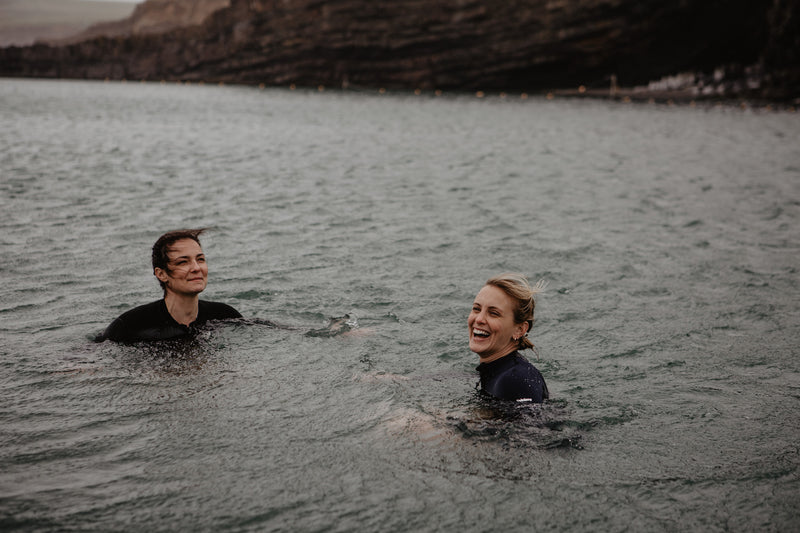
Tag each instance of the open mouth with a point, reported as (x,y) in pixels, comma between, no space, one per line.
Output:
(480,333)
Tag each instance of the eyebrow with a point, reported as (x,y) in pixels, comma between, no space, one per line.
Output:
(491,307)
(187,256)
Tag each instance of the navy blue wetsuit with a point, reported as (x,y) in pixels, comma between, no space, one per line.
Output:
(151,322)
(512,377)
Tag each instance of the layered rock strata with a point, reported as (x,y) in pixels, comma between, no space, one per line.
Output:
(514,45)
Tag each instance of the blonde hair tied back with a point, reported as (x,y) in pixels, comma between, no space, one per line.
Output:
(520,290)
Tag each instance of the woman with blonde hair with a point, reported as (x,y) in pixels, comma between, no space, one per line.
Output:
(499,323)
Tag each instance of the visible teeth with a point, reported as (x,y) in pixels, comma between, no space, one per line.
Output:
(480,332)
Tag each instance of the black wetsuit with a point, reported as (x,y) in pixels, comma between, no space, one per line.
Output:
(512,377)
(151,322)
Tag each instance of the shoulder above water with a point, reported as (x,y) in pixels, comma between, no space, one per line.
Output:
(513,377)
(152,321)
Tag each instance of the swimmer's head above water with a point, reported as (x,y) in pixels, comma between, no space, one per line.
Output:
(179,263)
(180,266)
(502,316)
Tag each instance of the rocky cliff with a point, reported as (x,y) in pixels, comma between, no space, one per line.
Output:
(152,16)
(513,45)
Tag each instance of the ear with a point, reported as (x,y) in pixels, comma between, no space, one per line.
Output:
(522,329)
(161,274)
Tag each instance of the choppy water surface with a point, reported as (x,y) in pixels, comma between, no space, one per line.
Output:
(668,335)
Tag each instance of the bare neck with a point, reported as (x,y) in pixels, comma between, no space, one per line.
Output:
(182,307)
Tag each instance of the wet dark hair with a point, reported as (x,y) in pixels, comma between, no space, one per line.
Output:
(164,243)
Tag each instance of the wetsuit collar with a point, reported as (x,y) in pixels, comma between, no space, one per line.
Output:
(495,358)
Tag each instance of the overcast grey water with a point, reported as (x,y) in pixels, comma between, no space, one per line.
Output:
(668,334)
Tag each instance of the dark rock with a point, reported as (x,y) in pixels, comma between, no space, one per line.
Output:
(514,45)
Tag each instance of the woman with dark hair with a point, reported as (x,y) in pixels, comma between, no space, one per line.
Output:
(501,317)
(180,266)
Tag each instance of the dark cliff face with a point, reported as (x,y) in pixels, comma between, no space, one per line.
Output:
(448,44)
(780,56)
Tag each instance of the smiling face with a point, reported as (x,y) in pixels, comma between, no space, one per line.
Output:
(492,330)
(187,272)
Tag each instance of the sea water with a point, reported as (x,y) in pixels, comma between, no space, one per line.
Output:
(668,333)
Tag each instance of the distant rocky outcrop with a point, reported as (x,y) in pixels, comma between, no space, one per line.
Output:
(150,17)
(513,45)
(25,22)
